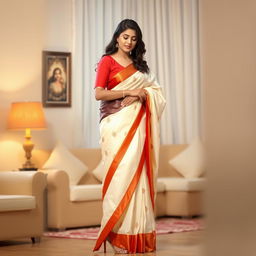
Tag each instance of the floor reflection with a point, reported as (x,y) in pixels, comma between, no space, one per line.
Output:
(123,254)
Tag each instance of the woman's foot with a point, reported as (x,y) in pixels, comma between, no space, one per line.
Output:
(120,250)
(117,249)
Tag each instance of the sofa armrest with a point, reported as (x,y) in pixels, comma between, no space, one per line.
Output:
(22,183)
(58,196)
(58,188)
(57,180)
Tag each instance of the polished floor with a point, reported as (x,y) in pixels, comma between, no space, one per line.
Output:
(176,244)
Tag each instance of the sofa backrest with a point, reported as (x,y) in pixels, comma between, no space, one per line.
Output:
(91,157)
(167,152)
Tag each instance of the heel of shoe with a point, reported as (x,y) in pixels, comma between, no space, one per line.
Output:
(105,247)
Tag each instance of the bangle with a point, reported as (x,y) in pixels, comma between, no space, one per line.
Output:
(123,93)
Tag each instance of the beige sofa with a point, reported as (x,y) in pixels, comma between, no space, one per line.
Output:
(80,205)
(21,204)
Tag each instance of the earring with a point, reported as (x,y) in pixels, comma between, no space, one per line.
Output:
(116,45)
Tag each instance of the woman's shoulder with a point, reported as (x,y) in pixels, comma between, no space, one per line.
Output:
(106,59)
(106,62)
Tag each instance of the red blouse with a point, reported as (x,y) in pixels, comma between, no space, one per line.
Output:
(107,68)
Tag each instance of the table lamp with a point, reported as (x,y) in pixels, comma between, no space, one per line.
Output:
(27,116)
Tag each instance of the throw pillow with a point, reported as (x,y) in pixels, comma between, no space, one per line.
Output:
(99,172)
(190,163)
(62,159)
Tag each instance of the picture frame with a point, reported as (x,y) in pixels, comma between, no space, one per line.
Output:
(56,84)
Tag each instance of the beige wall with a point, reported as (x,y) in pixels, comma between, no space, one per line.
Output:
(27,27)
(228,61)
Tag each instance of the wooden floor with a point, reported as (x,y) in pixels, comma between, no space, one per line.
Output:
(176,244)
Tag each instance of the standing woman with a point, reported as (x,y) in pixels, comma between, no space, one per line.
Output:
(131,106)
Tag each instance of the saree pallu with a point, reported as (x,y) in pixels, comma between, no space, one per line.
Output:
(130,148)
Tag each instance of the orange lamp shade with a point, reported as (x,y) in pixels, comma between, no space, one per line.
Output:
(25,115)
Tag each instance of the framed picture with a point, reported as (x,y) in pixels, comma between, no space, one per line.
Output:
(56,79)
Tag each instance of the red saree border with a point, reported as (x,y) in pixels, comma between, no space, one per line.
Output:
(122,205)
(122,75)
(149,146)
(139,243)
(121,152)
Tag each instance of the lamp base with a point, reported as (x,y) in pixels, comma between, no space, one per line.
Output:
(28,169)
(28,147)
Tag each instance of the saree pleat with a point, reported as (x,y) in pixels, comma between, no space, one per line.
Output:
(130,144)
(121,151)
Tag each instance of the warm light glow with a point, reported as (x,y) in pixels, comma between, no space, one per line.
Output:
(21,81)
(26,115)
(11,155)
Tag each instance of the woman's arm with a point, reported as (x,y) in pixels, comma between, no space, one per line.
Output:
(102,94)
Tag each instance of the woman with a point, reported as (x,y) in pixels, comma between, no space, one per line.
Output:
(131,106)
(56,83)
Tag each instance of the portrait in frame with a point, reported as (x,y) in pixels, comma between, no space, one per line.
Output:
(56,79)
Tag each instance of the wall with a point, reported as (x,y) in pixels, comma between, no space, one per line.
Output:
(228,61)
(59,37)
(27,28)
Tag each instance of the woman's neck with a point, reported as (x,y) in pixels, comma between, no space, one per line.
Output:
(123,55)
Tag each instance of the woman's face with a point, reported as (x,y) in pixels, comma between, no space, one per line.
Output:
(57,74)
(127,40)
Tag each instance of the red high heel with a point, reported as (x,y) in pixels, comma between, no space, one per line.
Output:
(105,247)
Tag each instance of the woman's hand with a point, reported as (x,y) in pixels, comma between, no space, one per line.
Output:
(140,93)
(128,100)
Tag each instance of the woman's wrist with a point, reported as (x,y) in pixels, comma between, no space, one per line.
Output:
(125,93)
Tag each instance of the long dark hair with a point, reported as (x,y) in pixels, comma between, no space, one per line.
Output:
(52,78)
(138,52)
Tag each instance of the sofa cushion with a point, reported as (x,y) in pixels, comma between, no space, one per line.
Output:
(190,163)
(98,171)
(88,192)
(183,184)
(17,202)
(62,159)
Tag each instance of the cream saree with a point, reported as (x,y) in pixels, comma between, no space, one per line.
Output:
(130,148)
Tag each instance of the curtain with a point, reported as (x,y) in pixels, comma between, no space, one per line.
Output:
(170,33)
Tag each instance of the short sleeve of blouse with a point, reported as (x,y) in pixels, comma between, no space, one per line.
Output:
(103,71)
